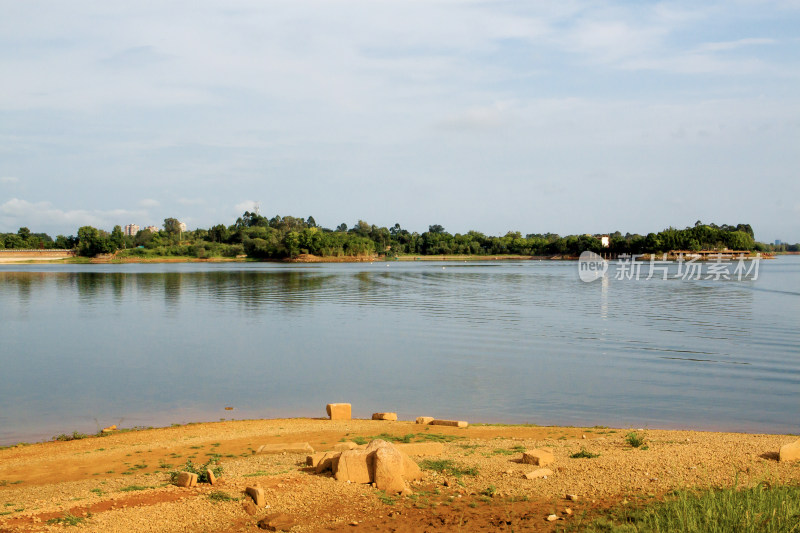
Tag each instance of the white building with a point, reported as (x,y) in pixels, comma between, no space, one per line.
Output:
(131,230)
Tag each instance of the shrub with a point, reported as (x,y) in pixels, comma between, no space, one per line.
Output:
(202,476)
(634,439)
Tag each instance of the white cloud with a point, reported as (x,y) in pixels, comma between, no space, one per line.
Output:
(44,217)
(247,205)
(9,179)
(191,201)
(149,202)
(732,45)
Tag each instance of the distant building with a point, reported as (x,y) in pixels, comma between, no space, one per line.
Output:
(131,230)
(778,242)
(152,229)
(182,226)
(604,241)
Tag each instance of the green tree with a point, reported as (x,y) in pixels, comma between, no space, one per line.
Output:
(92,241)
(172,226)
(117,238)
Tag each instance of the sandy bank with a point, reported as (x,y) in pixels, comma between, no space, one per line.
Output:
(121,479)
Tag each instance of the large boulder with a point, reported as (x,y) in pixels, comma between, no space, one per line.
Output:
(424,420)
(355,466)
(790,452)
(384,416)
(185,479)
(339,411)
(381,463)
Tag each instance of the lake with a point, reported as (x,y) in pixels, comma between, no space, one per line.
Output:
(87,346)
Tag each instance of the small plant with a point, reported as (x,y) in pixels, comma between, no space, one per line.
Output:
(133,488)
(584,454)
(507,451)
(438,437)
(360,440)
(489,491)
(68,520)
(446,466)
(75,436)
(634,439)
(386,499)
(220,496)
(201,470)
(99,492)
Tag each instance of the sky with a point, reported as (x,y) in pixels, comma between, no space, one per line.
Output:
(568,117)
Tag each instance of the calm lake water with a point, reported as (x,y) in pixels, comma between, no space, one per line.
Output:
(86,346)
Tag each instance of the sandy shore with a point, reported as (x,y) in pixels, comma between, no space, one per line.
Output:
(120,482)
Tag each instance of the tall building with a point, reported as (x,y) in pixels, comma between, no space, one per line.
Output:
(131,230)
(182,226)
(152,229)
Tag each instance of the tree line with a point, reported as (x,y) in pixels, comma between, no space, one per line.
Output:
(258,237)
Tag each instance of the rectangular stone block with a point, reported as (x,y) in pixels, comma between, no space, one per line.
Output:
(257,494)
(453,423)
(291,447)
(339,411)
(384,416)
(186,479)
(425,420)
(537,457)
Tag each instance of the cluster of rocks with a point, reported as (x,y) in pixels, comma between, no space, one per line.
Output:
(189,479)
(380,463)
(344,411)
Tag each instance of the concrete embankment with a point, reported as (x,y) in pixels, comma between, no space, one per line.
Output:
(15,256)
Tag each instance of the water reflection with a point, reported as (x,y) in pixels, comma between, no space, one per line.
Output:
(529,340)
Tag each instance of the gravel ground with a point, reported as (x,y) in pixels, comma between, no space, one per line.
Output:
(122,483)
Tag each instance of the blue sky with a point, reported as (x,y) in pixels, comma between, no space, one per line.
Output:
(566,117)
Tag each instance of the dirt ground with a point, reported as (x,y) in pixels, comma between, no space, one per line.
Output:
(121,482)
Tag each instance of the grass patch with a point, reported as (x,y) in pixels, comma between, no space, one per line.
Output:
(634,439)
(446,466)
(67,437)
(67,520)
(220,496)
(584,454)
(99,492)
(437,437)
(509,451)
(489,491)
(201,470)
(134,488)
(386,498)
(759,509)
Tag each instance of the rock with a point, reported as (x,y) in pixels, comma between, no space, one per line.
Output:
(211,477)
(186,479)
(329,462)
(583,436)
(292,447)
(537,457)
(344,446)
(425,420)
(421,448)
(257,493)
(552,518)
(389,470)
(790,452)
(384,416)
(355,466)
(568,511)
(572,497)
(542,472)
(339,411)
(454,423)
(277,522)
(314,459)
(110,429)
(249,507)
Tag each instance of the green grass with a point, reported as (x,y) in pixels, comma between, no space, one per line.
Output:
(386,499)
(584,454)
(66,437)
(410,437)
(489,491)
(446,466)
(220,496)
(67,520)
(99,492)
(133,488)
(634,439)
(437,437)
(202,476)
(760,509)
(509,451)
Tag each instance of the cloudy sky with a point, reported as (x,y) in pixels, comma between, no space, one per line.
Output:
(573,116)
